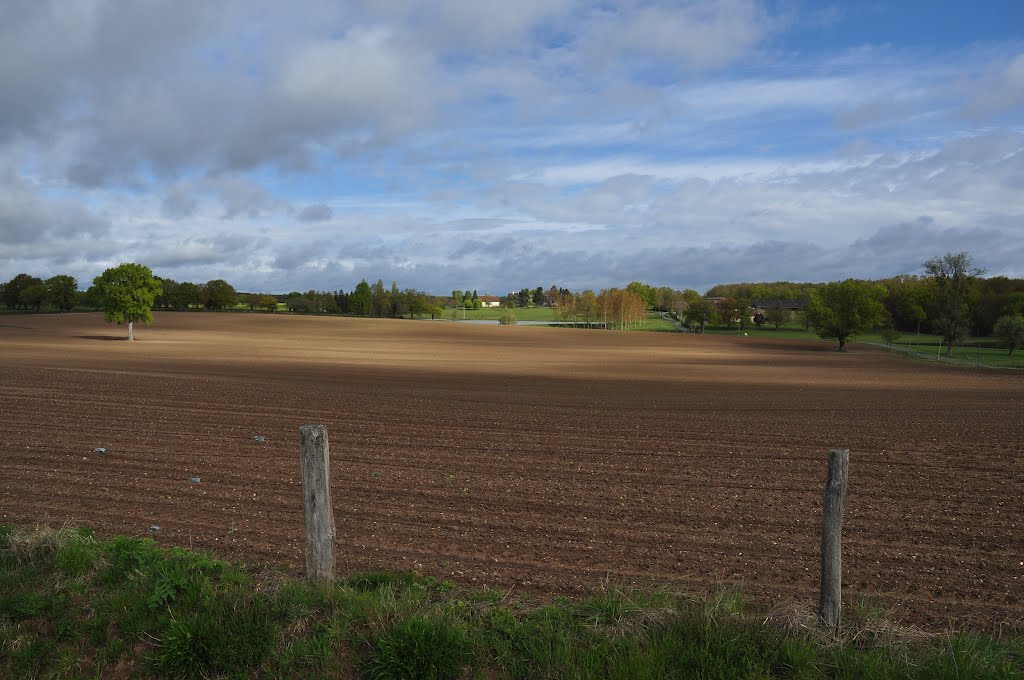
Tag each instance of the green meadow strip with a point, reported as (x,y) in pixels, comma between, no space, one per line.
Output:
(75,606)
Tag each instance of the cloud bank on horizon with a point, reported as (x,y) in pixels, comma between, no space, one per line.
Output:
(491,145)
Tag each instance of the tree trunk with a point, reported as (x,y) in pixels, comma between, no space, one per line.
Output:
(842,344)
(949,349)
(130,336)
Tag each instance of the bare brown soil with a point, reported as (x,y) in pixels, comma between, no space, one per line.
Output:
(544,460)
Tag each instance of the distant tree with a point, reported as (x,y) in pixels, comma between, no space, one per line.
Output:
(701,312)
(127,293)
(267,302)
(538,296)
(396,300)
(1014,303)
(551,296)
(219,294)
(1009,329)
(907,299)
(565,307)
(620,308)
(90,298)
(185,295)
(168,295)
(840,311)
(643,291)
(586,306)
(734,311)
(12,289)
(379,298)
(776,315)
(33,296)
(341,298)
(62,292)
(328,304)
(361,299)
(251,299)
(508,318)
(954,279)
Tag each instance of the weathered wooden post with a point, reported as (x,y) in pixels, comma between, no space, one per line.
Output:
(315,467)
(830,603)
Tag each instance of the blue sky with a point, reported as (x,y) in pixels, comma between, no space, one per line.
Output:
(490,145)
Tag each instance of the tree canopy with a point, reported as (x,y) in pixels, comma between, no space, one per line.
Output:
(839,311)
(127,293)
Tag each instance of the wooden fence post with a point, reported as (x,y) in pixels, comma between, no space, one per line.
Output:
(831,601)
(315,467)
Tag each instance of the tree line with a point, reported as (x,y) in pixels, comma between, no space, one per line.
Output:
(952,298)
(366,300)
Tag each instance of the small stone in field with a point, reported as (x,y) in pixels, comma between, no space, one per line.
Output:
(99,449)
(195,480)
(153,529)
(259,439)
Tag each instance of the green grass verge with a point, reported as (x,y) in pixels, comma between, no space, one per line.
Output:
(75,606)
(972,352)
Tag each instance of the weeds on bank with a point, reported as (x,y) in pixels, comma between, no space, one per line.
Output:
(74,606)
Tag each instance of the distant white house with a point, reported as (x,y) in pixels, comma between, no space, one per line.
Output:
(490,301)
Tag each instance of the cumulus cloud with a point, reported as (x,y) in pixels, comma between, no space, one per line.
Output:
(695,35)
(489,144)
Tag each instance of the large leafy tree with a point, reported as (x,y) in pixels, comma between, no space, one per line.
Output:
(128,293)
(839,311)
(62,292)
(185,295)
(218,294)
(954,279)
(33,295)
(700,312)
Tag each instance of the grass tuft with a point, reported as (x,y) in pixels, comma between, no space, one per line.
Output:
(420,649)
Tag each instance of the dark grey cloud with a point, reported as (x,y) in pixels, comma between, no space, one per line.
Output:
(88,175)
(179,203)
(27,216)
(317,212)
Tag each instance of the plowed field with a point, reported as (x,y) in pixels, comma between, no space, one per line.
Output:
(545,460)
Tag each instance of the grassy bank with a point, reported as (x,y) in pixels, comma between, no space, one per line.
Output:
(75,606)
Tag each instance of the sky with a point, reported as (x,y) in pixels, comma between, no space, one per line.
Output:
(493,145)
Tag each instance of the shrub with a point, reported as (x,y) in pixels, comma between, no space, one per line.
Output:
(508,318)
(890,335)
